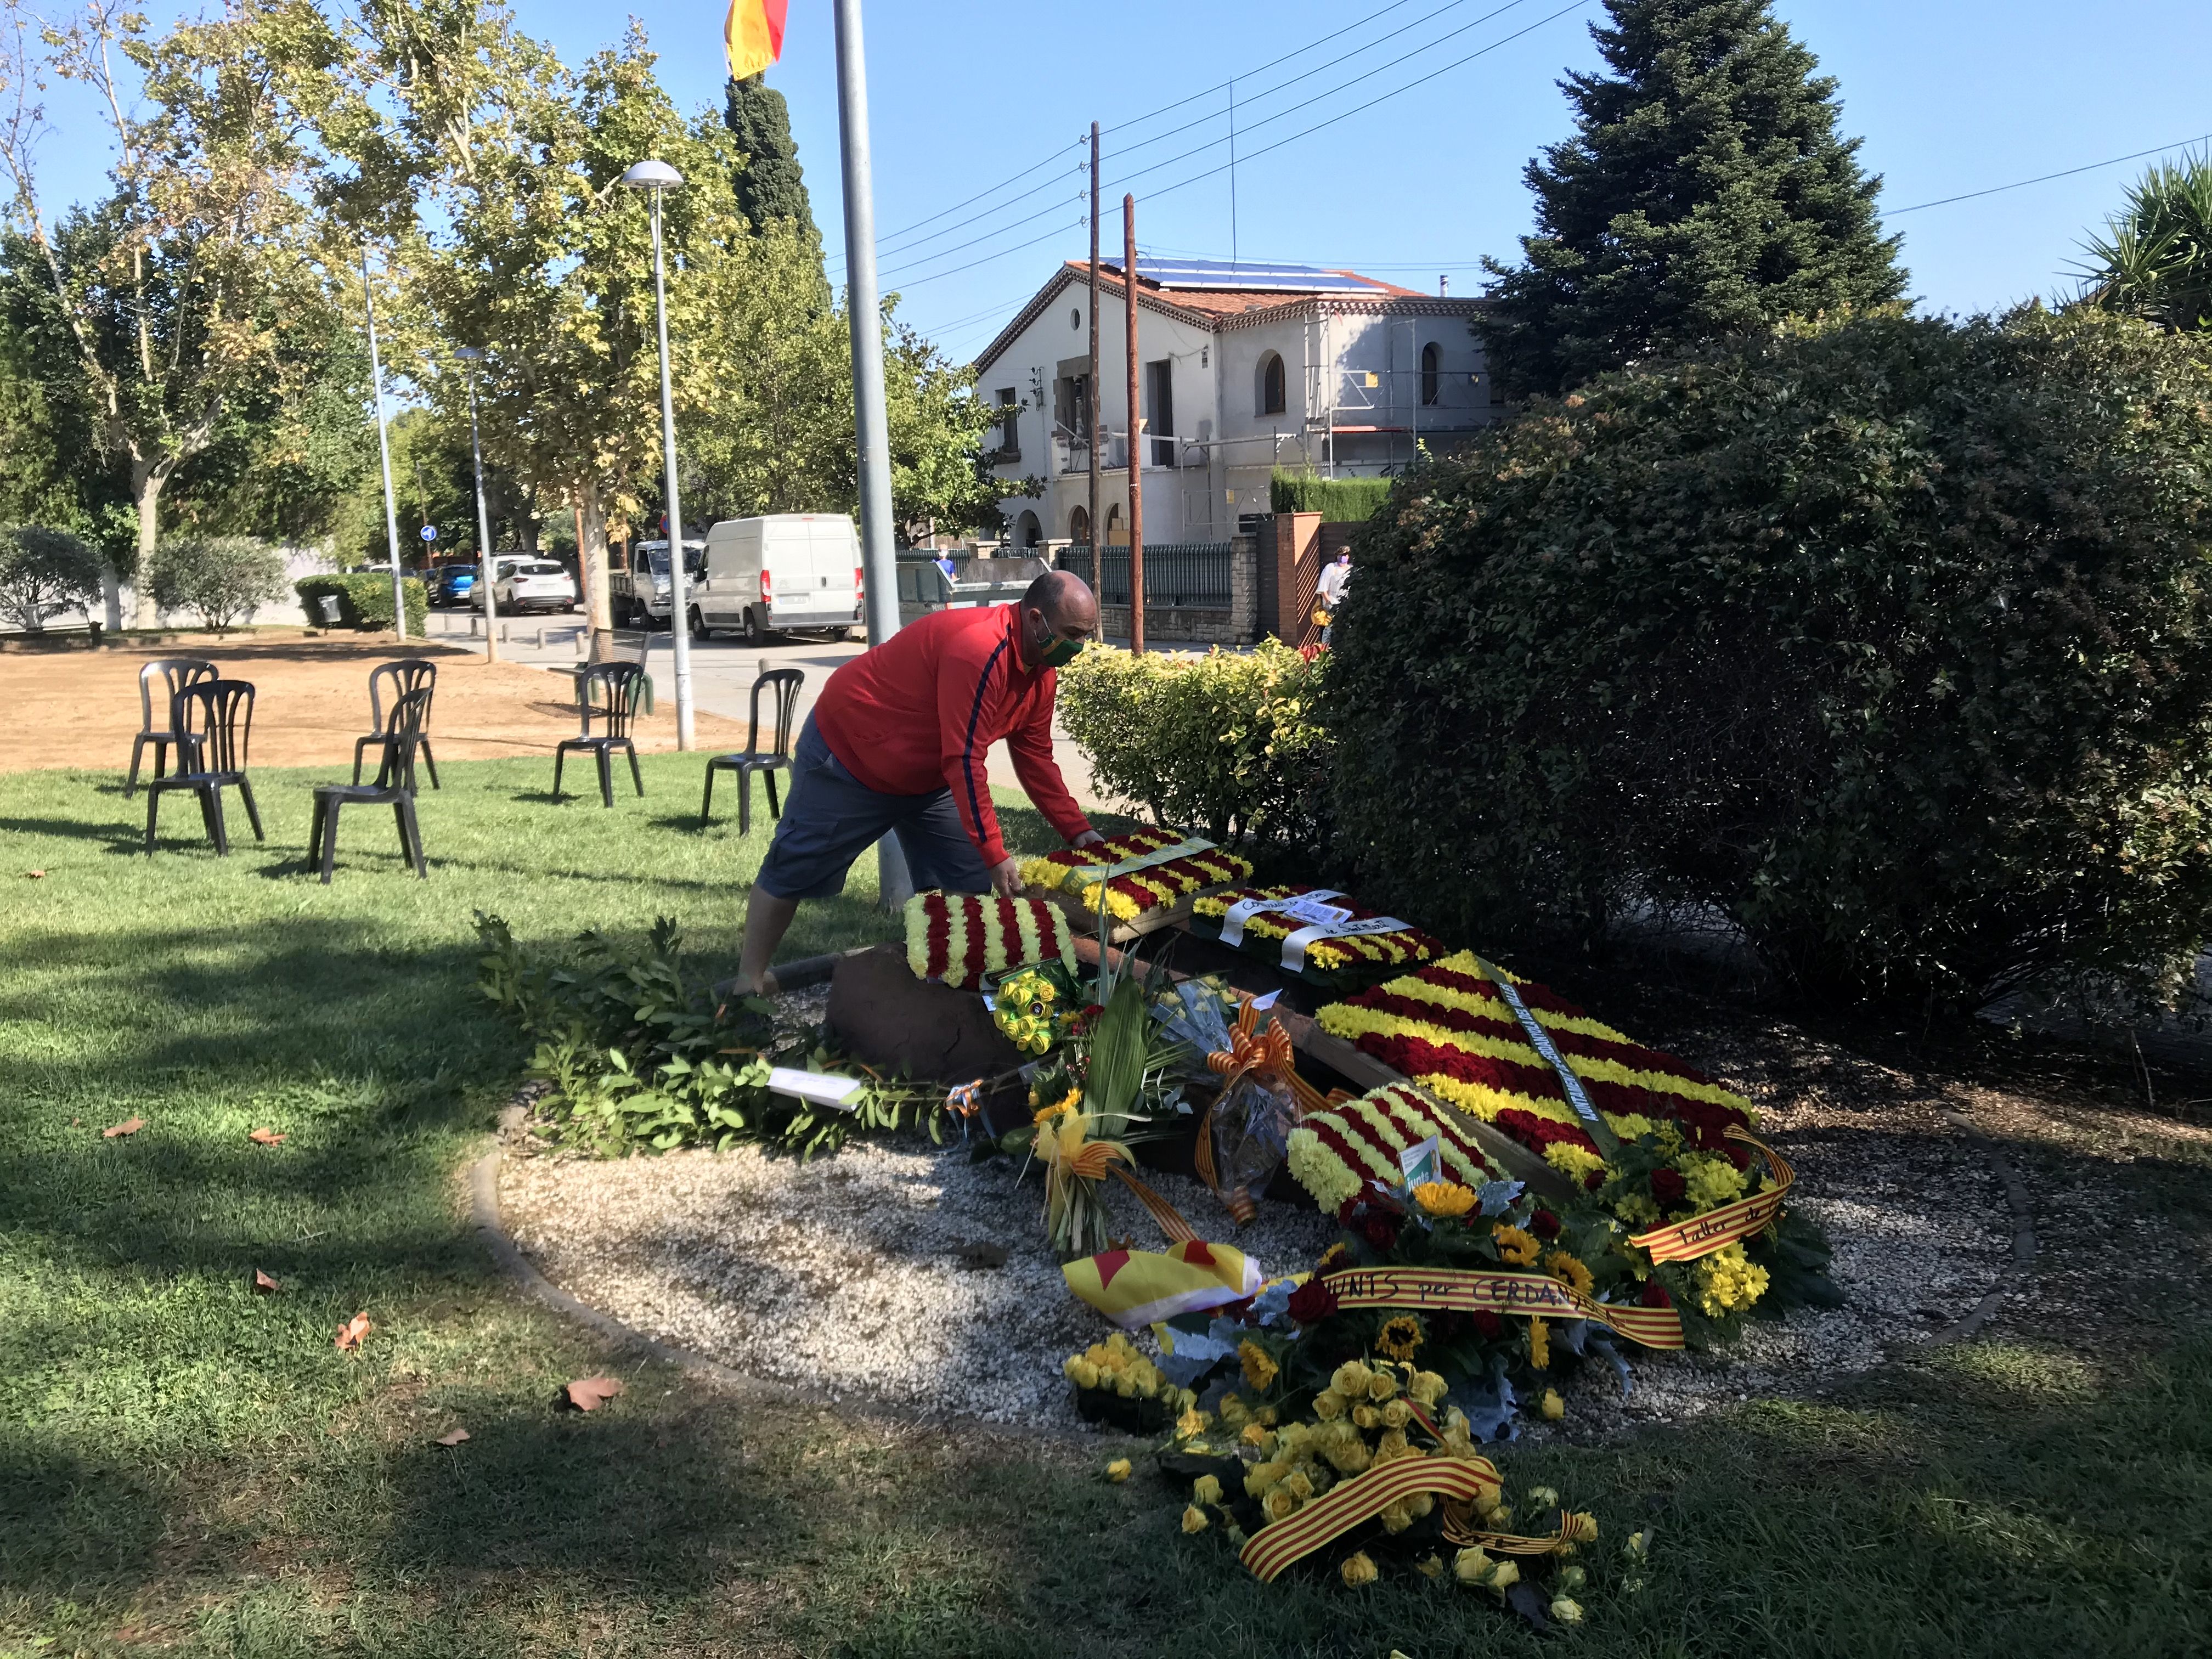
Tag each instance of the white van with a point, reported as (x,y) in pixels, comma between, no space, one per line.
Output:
(799,571)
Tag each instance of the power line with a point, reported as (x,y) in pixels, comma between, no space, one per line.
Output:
(2022,184)
(1200,149)
(1074,224)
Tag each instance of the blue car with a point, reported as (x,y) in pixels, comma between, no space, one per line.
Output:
(455,584)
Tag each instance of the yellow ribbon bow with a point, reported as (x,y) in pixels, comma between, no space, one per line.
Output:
(1250,1050)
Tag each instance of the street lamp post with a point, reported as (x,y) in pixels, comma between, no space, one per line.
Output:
(659,176)
(472,356)
(384,454)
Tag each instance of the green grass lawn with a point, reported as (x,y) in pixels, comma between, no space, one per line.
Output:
(185,1465)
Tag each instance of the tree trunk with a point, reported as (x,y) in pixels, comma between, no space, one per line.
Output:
(110,594)
(592,555)
(147,482)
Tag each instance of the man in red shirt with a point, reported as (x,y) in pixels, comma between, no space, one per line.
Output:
(899,743)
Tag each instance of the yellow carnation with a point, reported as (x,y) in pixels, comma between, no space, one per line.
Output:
(1194,1519)
(1118,1470)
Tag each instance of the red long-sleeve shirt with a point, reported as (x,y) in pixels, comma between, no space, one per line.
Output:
(922,711)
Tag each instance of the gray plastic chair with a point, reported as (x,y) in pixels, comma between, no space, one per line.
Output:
(407,675)
(394,788)
(623,683)
(215,720)
(176,674)
(785,683)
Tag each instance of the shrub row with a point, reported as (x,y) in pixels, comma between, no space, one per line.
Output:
(1339,500)
(364,601)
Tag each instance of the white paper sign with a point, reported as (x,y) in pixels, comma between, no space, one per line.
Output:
(819,1087)
(1421,1161)
(1294,947)
(1234,918)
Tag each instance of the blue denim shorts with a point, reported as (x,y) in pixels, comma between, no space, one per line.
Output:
(832,817)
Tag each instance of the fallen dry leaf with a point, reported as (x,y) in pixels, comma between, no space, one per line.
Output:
(453,1436)
(265,1137)
(130,1126)
(264,1285)
(34,875)
(588,1393)
(351,1334)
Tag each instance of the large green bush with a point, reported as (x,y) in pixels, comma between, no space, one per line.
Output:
(1224,742)
(224,578)
(364,599)
(1892,640)
(44,572)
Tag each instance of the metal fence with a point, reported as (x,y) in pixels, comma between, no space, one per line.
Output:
(1178,576)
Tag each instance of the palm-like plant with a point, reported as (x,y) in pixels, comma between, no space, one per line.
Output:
(2154,259)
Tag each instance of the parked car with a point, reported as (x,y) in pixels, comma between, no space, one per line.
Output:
(789,572)
(532,584)
(638,591)
(453,583)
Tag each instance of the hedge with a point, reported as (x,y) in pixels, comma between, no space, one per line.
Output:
(1339,501)
(1890,639)
(1224,743)
(364,601)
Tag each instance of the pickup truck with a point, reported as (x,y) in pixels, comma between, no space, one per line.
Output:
(638,586)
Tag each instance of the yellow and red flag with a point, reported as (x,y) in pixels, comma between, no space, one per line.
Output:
(753,35)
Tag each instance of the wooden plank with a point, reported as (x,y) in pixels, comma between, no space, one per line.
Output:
(1369,1072)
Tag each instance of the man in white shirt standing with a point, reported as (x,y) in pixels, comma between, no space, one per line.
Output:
(1335,576)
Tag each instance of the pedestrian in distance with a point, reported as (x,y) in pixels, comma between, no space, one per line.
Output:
(898,744)
(1328,592)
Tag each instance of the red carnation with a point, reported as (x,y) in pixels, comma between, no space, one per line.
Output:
(1312,1301)
(1593,1180)
(1380,1230)
(1544,1224)
(1668,1187)
(1488,1323)
(1655,1295)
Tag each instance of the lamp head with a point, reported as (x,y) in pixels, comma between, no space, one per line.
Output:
(654,175)
(468,354)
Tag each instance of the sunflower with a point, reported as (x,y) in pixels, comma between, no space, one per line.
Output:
(1259,1365)
(1569,1270)
(1445,1198)
(1514,1247)
(1400,1337)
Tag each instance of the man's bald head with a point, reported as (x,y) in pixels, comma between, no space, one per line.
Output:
(1059,607)
(1066,601)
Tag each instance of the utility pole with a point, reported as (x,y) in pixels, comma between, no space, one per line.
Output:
(471,356)
(1136,434)
(384,454)
(878,553)
(1090,397)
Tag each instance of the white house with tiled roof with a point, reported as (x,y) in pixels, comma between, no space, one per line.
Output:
(1244,368)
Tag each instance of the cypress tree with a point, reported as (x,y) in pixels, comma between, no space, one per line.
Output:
(1704,192)
(770,186)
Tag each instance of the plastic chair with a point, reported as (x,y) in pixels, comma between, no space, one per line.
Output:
(175,673)
(623,682)
(213,720)
(785,683)
(407,675)
(394,788)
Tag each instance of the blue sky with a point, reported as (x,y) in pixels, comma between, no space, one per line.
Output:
(1949,98)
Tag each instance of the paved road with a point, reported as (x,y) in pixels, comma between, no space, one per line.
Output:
(722,674)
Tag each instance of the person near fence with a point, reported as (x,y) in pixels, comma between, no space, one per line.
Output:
(1328,592)
(899,743)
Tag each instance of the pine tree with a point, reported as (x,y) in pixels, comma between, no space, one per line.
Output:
(771,185)
(1705,192)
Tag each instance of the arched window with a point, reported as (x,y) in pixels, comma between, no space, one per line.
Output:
(1432,375)
(1027,531)
(1274,398)
(1118,534)
(1078,526)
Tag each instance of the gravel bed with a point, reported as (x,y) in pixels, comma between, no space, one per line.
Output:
(904,1275)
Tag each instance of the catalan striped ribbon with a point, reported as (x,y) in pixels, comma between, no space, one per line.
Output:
(1363,1496)
(1466,1291)
(1092,875)
(1458,1517)
(1701,1234)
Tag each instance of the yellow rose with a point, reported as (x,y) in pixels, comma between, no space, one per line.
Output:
(1351,1458)
(1382,1386)
(1233,1412)
(1118,1470)
(1328,1405)
(1429,1566)
(1427,1387)
(1572,1579)
(1544,1498)
(1191,1422)
(1391,1446)
(1397,1414)
(1207,1489)
(1397,1517)
(1300,1484)
(1471,1565)
(1194,1519)
(1367,1417)
(1261,1478)
(1350,1379)
(1581,1528)
(1554,1407)
(1358,1571)
(1504,1577)
(1567,1610)
(1277,1503)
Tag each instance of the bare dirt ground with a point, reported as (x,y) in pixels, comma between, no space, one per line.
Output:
(72,705)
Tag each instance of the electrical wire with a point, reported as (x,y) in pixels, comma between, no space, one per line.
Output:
(2045,179)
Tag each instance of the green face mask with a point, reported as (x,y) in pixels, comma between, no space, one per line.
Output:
(1060,652)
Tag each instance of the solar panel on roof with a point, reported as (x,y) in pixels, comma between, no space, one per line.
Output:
(1250,274)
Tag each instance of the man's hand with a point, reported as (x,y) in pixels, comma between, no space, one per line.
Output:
(1006,877)
(1089,838)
